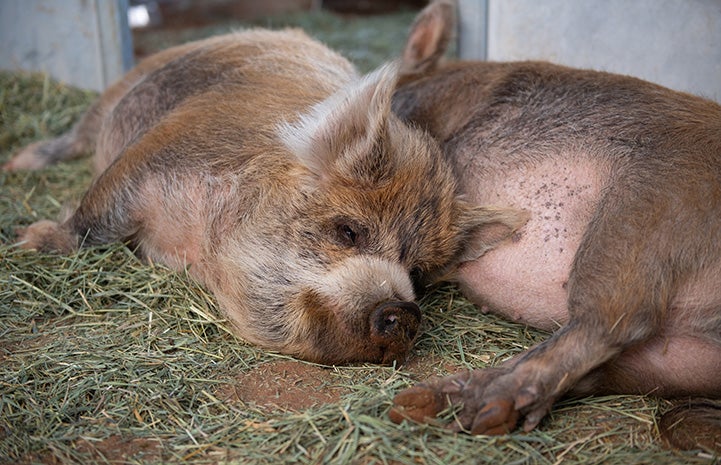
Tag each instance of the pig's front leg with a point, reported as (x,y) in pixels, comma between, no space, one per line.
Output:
(108,212)
(492,401)
(466,394)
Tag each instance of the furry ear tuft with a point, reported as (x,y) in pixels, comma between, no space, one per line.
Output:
(346,126)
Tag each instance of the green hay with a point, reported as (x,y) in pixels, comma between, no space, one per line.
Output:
(104,359)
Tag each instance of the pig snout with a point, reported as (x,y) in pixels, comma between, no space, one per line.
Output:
(393,326)
(361,310)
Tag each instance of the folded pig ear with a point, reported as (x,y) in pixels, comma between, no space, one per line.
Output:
(486,227)
(344,134)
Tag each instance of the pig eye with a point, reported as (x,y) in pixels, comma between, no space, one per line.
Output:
(349,234)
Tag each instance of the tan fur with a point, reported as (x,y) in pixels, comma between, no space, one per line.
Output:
(260,162)
(622,180)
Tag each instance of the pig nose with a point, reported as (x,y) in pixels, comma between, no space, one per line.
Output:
(396,319)
(394,325)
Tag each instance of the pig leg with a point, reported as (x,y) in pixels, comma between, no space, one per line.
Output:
(79,141)
(668,365)
(492,401)
(108,212)
(82,138)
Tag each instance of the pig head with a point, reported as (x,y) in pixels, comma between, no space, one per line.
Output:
(264,166)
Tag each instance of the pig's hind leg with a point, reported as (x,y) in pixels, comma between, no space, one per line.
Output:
(77,142)
(81,139)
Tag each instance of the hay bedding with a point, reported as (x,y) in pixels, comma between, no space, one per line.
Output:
(104,359)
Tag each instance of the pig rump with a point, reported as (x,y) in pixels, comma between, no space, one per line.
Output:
(264,166)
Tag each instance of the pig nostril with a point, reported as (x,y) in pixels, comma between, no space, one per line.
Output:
(397,319)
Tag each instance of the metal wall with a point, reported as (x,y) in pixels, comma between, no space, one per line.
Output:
(85,43)
(676,43)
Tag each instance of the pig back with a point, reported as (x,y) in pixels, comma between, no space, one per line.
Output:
(239,79)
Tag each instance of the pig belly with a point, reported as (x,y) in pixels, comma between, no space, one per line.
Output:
(524,278)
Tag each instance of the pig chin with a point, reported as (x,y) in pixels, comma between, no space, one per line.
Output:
(360,311)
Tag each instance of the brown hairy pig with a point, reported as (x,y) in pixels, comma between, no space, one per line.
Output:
(621,256)
(260,162)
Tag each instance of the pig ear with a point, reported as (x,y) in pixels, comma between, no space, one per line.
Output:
(486,227)
(429,37)
(339,134)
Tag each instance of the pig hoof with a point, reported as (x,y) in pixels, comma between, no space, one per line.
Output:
(695,425)
(419,403)
(26,159)
(498,416)
(488,402)
(46,236)
(495,400)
